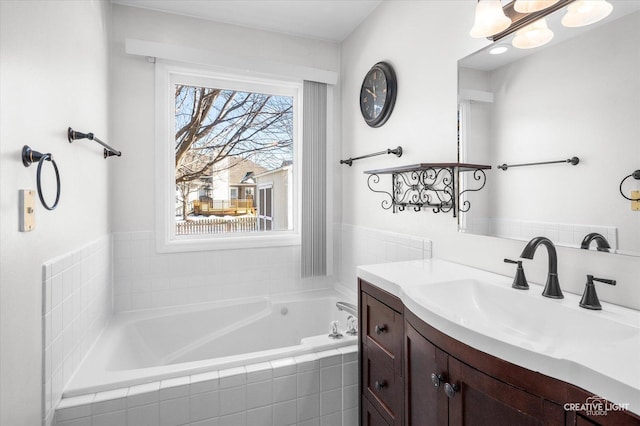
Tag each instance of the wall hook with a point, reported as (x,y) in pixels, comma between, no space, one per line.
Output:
(636,176)
(29,157)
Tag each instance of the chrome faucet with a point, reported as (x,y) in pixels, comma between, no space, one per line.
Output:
(350,308)
(552,287)
(601,242)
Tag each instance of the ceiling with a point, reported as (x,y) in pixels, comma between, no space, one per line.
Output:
(331,20)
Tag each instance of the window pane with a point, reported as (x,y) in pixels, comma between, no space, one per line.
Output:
(227,144)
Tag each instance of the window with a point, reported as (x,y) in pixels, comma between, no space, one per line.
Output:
(229,156)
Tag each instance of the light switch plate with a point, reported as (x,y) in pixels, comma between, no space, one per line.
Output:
(27,210)
(635,205)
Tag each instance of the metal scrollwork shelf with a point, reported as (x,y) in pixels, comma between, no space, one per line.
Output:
(429,185)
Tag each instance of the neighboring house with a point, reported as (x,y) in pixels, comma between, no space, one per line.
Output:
(230,190)
(275,198)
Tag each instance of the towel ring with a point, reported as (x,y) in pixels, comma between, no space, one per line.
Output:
(30,156)
(636,176)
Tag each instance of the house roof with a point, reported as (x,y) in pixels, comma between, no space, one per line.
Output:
(240,170)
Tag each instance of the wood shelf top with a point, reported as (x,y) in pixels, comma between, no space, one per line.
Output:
(463,167)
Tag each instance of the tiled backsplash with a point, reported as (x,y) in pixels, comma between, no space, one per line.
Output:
(76,303)
(563,234)
(365,246)
(314,389)
(146,279)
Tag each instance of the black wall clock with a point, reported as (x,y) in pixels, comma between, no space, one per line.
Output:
(378,94)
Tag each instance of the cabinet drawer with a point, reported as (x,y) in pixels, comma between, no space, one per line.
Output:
(381,385)
(383,325)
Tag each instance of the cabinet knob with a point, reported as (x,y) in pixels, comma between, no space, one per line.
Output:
(379,385)
(436,379)
(381,328)
(450,389)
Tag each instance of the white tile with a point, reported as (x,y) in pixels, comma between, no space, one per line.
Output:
(238,419)
(350,417)
(259,394)
(331,377)
(174,412)
(311,422)
(84,421)
(260,416)
(204,405)
(284,367)
(285,413)
(232,377)
(72,408)
(144,415)
(113,418)
(143,394)
(259,372)
(350,397)
(208,422)
(112,400)
(174,388)
(285,388)
(308,407)
(330,402)
(334,419)
(204,382)
(307,362)
(308,383)
(233,400)
(349,373)
(349,353)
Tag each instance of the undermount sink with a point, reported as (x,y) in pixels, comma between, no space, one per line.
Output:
(525,318)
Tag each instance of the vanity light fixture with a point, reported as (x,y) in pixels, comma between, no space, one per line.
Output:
(490,19)
(530,6)
(586,12)
(533,35)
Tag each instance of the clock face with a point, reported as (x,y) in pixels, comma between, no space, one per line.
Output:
(377,94)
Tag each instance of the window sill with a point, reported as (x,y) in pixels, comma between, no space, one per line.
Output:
(236,242)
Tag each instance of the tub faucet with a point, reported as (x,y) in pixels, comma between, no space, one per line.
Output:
(552,288)
(349,308)
(601,242)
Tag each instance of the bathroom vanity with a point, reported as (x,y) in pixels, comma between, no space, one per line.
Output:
(431,355)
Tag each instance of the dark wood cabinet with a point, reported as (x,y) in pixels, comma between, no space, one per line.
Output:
(414,375)
(381,380)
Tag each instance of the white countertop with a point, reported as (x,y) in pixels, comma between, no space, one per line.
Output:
(608,368)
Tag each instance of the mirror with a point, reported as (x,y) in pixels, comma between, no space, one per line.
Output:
(578,96)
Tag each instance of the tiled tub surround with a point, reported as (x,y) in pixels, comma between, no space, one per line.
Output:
(76,304)
(146,279)
(367,246)
(313,389)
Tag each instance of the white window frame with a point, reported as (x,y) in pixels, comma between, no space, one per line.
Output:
(169,74)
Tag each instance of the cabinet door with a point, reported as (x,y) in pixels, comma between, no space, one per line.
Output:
(370,416)
(482,400)
(425,401)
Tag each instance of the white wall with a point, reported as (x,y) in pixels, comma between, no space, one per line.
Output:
(423,40)
(133,200)
(53,74)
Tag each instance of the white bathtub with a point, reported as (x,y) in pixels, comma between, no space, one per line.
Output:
(151,345)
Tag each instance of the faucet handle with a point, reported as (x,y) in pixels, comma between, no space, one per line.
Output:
(590,297)
(519,281)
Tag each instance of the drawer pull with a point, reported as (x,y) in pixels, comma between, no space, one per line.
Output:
(450,389)
(379,385)
(381,328)
(436,379)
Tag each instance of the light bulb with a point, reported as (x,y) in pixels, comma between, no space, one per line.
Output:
(530,6)
(490,19)
(533,35)
(586,12)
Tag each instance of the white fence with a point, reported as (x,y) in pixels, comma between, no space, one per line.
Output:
(217,225)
